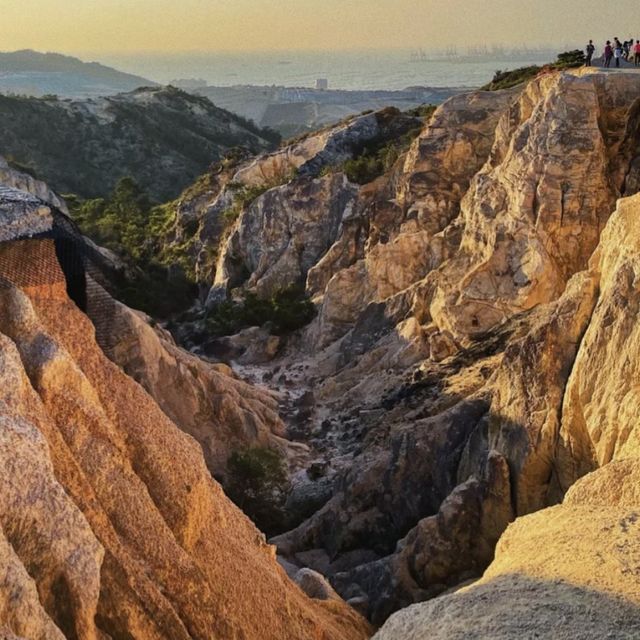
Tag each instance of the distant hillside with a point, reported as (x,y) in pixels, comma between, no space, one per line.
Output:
(32,73)
(163,137)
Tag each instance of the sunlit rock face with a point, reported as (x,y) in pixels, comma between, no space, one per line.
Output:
(285,233)
(207,401)
(466,390)
(576,555)
(461,302)
(454,310)
(110,523)
(601,402)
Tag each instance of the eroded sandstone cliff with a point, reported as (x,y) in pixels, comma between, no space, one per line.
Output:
(469,331)
(467,385)
(111,525)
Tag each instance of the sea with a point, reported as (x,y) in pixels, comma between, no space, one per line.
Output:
(351,70)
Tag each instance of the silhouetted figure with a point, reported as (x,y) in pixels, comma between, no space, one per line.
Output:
(608,54)
(617,51)
(590,51)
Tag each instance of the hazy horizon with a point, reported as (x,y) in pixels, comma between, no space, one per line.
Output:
(147,27)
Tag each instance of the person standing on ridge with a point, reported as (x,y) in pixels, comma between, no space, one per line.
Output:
(617,51)
(636,53)
(608,54)
(590,51)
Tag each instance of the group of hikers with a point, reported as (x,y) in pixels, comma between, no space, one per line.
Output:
(628,50)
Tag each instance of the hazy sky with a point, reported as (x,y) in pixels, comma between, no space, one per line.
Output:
(76,26)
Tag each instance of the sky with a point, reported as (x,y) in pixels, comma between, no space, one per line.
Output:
(167,26)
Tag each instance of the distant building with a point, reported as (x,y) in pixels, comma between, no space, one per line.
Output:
(322,84)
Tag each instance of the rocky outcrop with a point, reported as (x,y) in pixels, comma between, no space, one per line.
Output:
(207,401)
(35,217)
(573,554)
(601,404)
(284,233)
(453,354)
(24,182)
(226,220)
(110,524)
(533,215)
(563,572)
(446,156)
(311,153)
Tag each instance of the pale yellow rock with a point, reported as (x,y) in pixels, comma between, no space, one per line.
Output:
(533,215)
(329,146)
(562,573)
(617,484)
(447,154)
(528,390)
(602,402)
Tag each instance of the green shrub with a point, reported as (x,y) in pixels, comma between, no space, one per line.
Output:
(508,79)
(257,482)
(119,222)
(570,59)
(285,311)
(162,280)
(364,169)
(377,157)
(424,111)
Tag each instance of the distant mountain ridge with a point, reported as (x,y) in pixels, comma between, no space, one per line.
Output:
(162,137)
(30,72)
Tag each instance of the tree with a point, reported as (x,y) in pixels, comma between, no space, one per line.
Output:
(257,482)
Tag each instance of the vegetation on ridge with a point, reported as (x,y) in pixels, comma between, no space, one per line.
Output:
(163,137)
(508,79)
(375,157)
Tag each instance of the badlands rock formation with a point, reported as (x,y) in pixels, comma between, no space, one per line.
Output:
(475,325)
(205,400)
(287,216)
(569,571)
(579,557)
(466,392)
(110,523)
